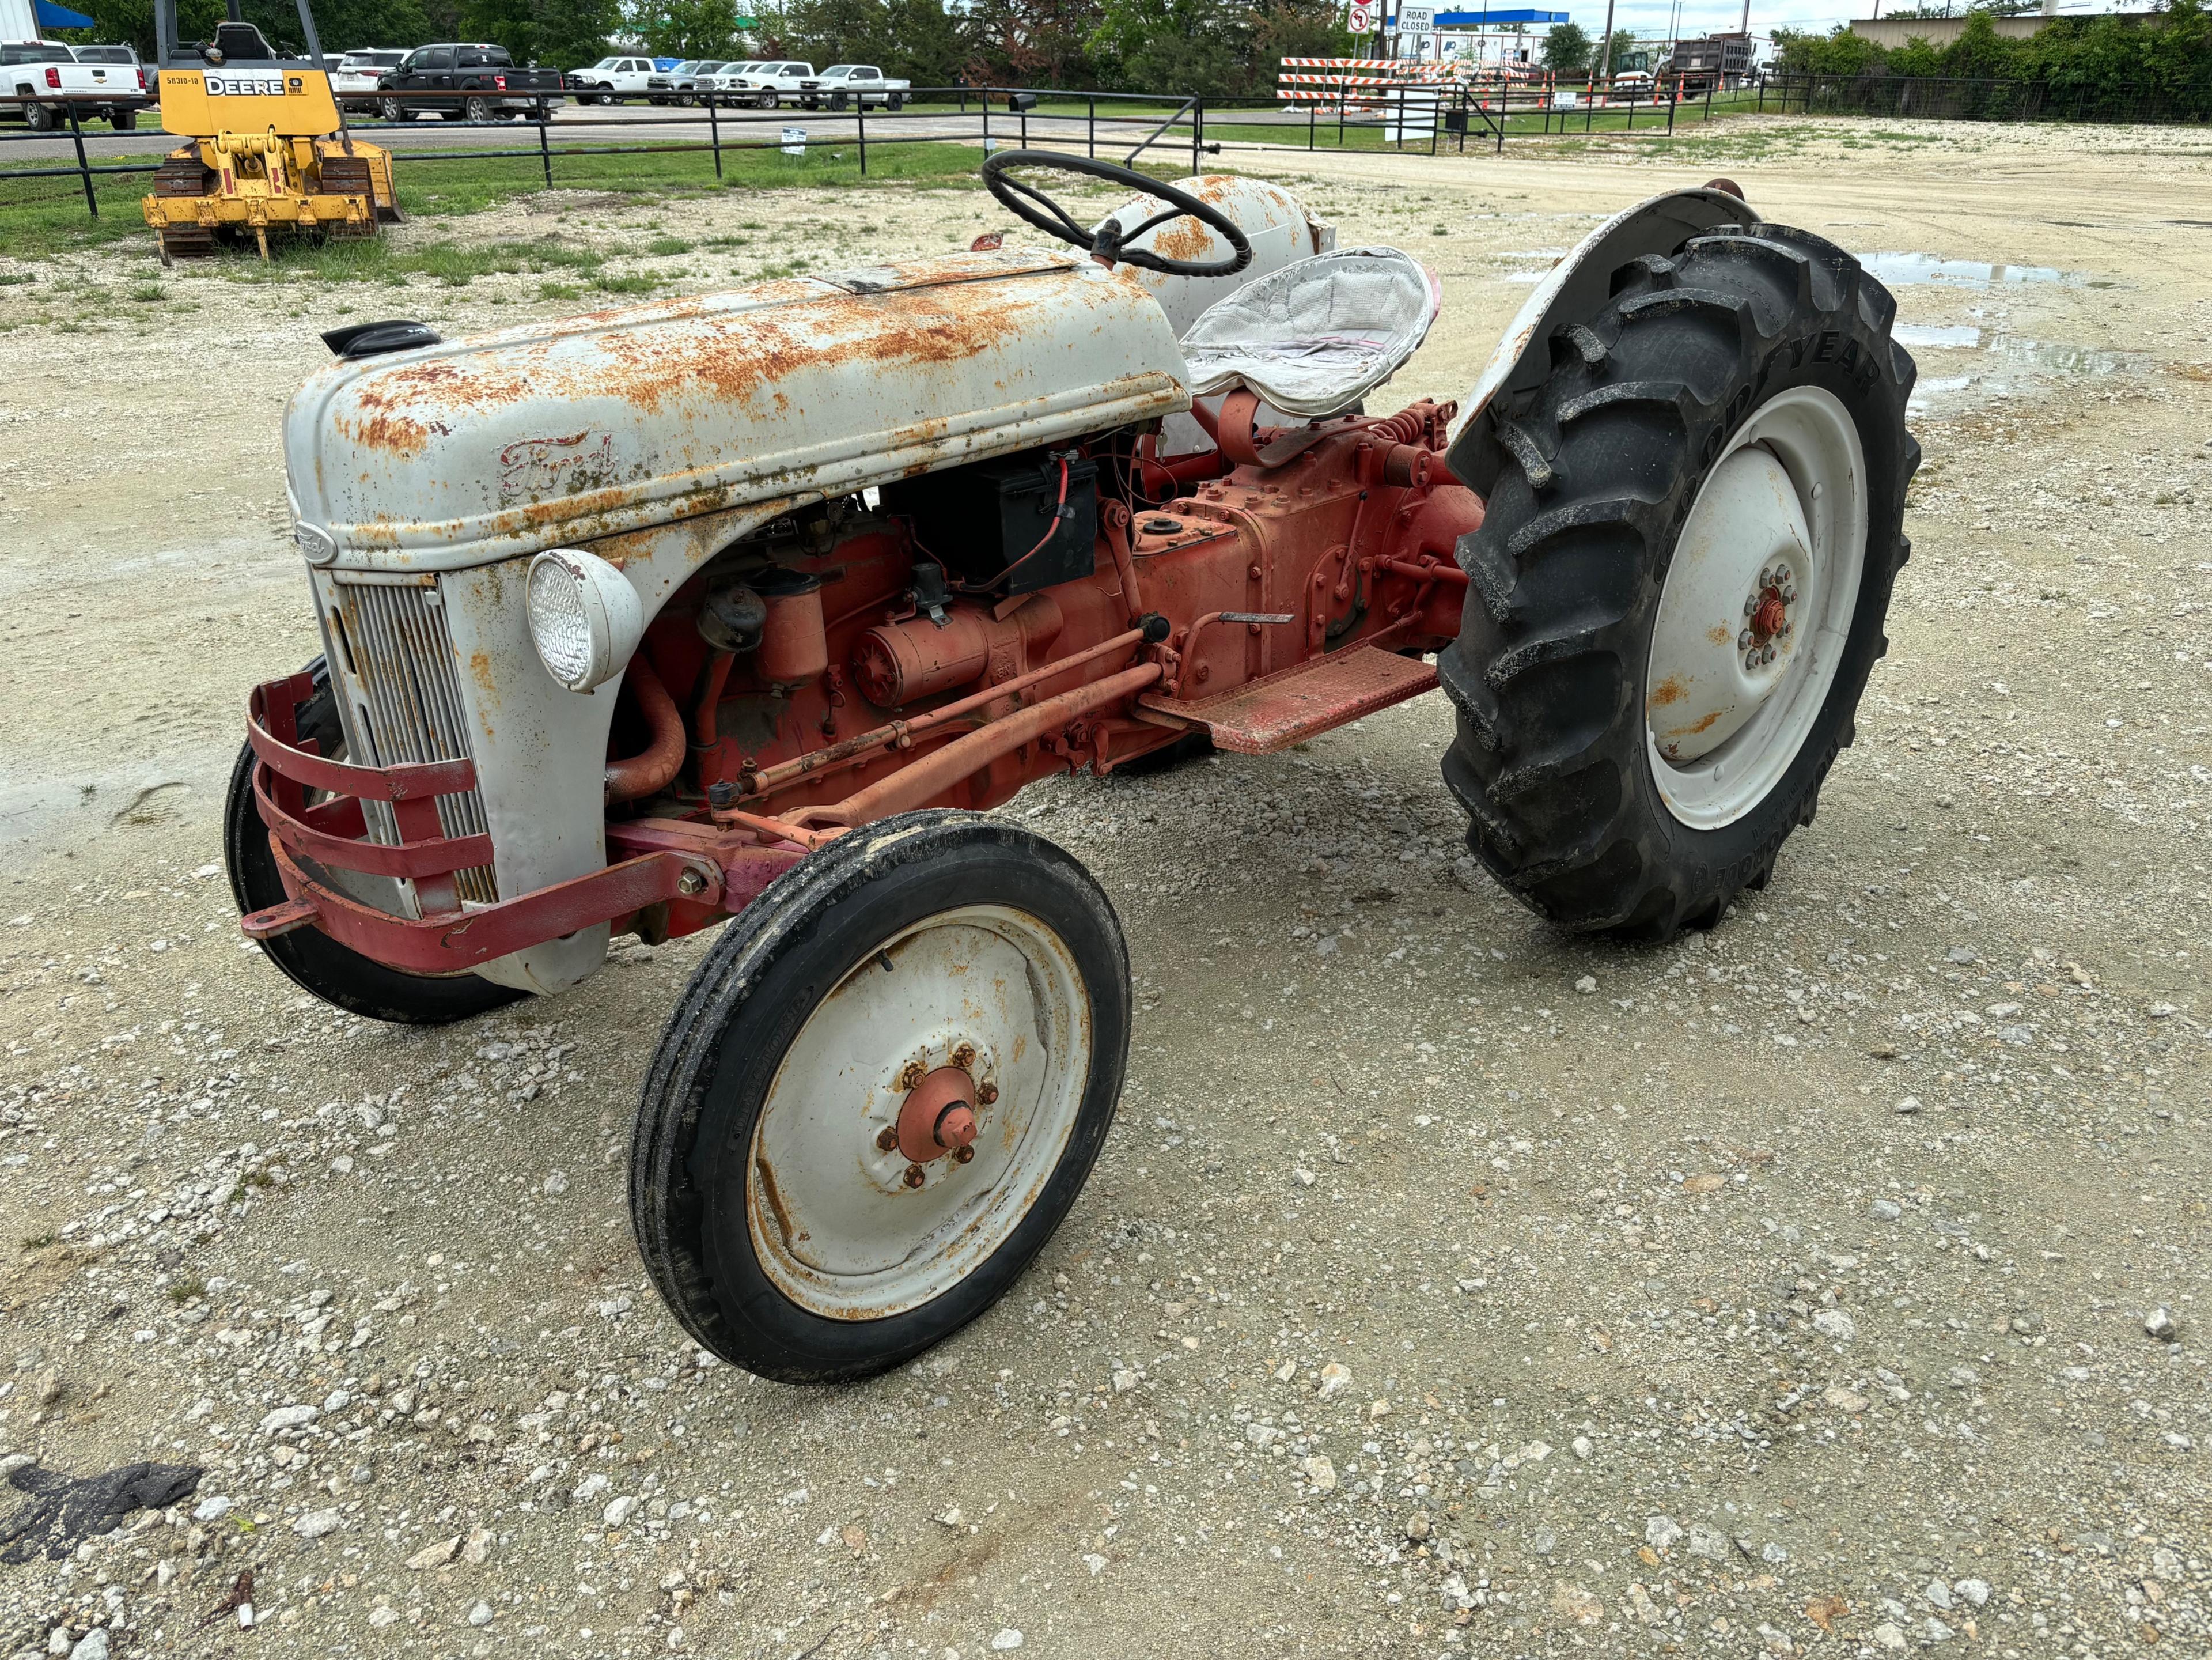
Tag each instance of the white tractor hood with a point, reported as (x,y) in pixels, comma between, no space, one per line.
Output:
(554,433)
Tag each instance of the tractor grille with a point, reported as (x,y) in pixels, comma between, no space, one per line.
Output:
(405,702)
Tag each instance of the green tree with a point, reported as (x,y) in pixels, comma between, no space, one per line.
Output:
(1039,43)
(688,28)
(342,24)
(1567,49)
(1293,28)
(1186,46)
(573,33)
(509,23)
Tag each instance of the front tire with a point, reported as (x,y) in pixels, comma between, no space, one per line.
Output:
(313,961)
(780,1204)
(1678,591)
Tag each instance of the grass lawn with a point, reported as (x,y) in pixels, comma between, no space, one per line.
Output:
(41,217)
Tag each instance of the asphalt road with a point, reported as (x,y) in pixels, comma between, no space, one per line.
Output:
(627,123)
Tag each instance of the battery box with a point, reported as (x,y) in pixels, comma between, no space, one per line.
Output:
(979,519)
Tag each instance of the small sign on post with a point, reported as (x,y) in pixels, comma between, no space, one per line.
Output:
(795,141)
(1359,16)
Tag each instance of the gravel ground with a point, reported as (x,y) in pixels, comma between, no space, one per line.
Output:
(1834,1282)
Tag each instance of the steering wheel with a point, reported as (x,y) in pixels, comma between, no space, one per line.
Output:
(1109,242)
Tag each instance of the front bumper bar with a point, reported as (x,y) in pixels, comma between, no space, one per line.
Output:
(674,861)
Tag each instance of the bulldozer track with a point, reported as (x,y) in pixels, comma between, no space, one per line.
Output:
(350,175)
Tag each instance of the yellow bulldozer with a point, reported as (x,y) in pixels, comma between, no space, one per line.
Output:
(269,149)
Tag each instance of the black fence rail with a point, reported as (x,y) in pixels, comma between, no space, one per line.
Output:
(1949,98)
(1124,126)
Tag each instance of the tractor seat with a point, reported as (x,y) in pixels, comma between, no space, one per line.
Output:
(1317,336)
(242,43)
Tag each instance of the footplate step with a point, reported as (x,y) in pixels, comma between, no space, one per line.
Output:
(1295,703)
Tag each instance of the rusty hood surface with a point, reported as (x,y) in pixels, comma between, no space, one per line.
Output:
(553,434)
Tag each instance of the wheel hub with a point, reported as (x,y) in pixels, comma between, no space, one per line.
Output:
(1756,608)
(937,1117)
(1767,609)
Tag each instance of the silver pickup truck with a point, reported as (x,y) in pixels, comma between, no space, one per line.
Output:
(843,86)
(42,79)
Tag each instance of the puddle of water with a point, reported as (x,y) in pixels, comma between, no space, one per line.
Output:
(2077,362)
(2019,366)
(1931,394)
(1963,335)
(1916,269)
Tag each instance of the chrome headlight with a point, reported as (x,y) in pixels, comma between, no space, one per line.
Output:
(585,617)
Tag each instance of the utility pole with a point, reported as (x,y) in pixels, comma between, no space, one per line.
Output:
(1605,52)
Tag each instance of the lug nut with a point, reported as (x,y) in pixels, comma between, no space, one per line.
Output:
(886,1138)
(1744,640)
(965,1056)
(915,1176)
(986,1093)
(913,1074)
(963,1155)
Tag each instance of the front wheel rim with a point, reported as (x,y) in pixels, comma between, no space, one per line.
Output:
(842,1223)
(1757,608)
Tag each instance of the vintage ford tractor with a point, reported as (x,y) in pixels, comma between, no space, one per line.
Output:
(741,609)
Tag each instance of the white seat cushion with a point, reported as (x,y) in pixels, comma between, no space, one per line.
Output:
(1317,336)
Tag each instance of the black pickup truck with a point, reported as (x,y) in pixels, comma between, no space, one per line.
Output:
(465,81)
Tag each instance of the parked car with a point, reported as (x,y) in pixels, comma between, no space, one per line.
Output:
(767,85)
(684,83)
(471,80)
(843,85)
(104,81)
(611,79)
(359,75)
(724,81)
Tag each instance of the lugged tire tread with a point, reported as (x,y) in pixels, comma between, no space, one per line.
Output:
(1543,659)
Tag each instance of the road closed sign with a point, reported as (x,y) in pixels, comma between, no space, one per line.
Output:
(1359,16)
(1416,20)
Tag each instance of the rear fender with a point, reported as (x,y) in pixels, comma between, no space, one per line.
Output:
(1572,290)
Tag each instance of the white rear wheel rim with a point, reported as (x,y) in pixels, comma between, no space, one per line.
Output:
(833,1222)
(1728,705)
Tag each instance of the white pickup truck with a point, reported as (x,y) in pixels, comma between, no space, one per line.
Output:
(766,85)
(612,80)
(843,86)
(48,77)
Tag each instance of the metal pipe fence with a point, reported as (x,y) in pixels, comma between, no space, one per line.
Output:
(1430,118)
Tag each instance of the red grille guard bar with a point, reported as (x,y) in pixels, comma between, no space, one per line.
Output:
(660,860)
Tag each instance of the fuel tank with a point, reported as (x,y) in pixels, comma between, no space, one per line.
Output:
(478,450)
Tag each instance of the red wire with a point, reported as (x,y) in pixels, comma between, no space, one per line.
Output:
(1052,532)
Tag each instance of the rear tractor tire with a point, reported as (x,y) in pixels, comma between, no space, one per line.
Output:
(312,959)
(1678,591)
(882,1092)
